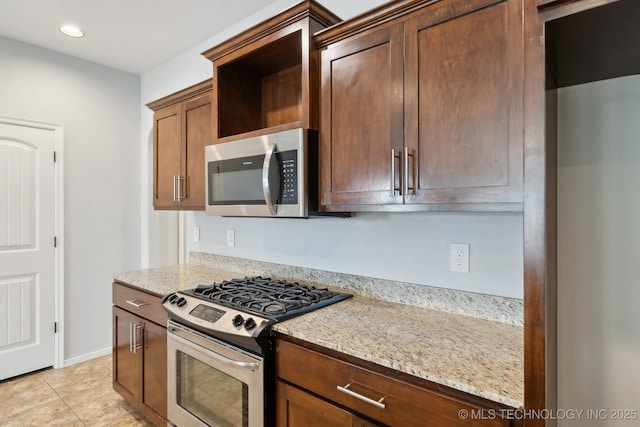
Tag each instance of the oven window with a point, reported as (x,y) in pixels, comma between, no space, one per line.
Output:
(211,395)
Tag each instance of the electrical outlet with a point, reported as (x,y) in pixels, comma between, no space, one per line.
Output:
(459,258)
(231,238)
(196,234)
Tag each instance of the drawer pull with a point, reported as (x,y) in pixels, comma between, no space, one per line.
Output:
(378,403)
(136,303)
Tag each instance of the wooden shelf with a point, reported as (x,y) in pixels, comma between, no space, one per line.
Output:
(266,78)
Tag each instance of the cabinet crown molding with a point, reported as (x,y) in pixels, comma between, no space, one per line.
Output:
(182,95)
(391,11)
(303,10)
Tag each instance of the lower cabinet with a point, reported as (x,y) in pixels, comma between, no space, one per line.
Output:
(318,387)
(140,351)
(297,408)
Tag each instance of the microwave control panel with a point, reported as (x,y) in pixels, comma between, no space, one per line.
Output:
(289,182)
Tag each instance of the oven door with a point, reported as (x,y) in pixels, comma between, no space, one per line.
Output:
(211,383)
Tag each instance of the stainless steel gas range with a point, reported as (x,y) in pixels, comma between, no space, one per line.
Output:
(220,348)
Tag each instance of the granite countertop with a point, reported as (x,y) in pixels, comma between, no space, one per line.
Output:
(477,356)
(165,280)
(480,357)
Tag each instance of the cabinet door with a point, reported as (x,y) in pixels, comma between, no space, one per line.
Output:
(167,163)
(361,119)
(197,132)
(126,365)
(154,379)
(463,103)
(297,408)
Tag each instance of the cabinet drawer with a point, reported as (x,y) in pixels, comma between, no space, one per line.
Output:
(139,302)
(365,391)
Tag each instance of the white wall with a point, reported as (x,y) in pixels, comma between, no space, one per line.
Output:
(411,247)
(99,109)
(598,246)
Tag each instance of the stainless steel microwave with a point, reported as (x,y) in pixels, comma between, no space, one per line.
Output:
(273,175)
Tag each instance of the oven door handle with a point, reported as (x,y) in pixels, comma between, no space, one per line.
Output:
(252,366)
(224,359)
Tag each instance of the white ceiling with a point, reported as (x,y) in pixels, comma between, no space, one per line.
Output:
(136,35)
(129,35)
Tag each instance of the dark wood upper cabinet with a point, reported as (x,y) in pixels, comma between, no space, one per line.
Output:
(266,79)
(182,127)
(424,110)
(361,118)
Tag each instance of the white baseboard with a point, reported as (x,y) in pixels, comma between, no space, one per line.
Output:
(88,356)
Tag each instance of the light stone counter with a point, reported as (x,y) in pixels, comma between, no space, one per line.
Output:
(166,280)
(478,356)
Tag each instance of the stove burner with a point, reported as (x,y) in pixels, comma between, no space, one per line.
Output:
(263,295)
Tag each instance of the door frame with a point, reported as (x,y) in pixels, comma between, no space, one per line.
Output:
(58,143)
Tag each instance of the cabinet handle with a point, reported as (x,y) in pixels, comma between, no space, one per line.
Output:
(394,188)
(407,188)
(377,403)
(180,185)
(136,303)
(174,187)
(130,337)
(135,330)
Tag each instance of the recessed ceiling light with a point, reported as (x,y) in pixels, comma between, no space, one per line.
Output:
(71,31)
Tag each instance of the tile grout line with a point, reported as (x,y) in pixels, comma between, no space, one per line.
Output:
(65,402)
(65,380)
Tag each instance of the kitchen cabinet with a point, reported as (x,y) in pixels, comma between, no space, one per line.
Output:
(265,79)
(320,386)
(182,127)
(298,408)
(140,351)
(421,108)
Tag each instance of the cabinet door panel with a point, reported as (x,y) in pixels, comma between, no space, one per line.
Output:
(463,106)
(297,408)
(167,141)
(154,382)
(125,364)
(198,132)
(361,118)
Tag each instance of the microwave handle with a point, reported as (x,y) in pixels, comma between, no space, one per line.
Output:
(265,179)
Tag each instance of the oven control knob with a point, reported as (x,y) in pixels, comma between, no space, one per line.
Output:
(249,324)
(181,301)
(238,320)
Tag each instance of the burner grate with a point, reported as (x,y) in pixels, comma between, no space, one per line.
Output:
(263,295)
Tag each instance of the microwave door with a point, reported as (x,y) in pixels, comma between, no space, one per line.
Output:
(271,179)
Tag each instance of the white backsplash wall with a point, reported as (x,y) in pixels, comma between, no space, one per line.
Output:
(406,247)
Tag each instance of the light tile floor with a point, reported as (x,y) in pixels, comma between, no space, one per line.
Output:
(78,395)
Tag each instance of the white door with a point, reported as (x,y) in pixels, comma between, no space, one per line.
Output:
(27,253)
